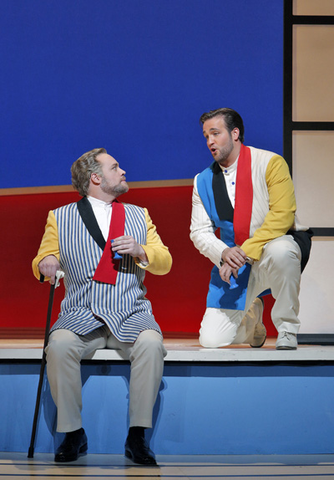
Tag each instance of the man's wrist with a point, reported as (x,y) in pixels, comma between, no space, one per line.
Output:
(247,259)
(222,261)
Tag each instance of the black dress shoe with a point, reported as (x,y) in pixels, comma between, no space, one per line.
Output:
(138,451)
(73,446)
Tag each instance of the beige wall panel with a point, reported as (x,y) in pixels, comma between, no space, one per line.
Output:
(313,73)
(313,7)
(317,289)
(313,177)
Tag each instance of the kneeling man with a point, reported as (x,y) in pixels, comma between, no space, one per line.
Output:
(248,194)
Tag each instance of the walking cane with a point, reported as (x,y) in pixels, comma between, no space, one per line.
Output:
(59,275)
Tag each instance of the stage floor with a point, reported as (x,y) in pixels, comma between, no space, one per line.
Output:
(17,465)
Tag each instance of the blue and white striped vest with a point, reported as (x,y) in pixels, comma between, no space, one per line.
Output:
(87,304)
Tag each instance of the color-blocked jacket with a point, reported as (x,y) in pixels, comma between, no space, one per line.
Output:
(273,215)
(273,210)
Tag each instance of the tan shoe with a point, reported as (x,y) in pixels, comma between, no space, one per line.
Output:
(260,332)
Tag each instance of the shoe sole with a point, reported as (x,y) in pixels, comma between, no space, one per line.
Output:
(285,347)
(259,346)
(265,338)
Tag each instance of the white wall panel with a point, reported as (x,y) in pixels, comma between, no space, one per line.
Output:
(317,289)
(313,73)
(313,7)
(313,177)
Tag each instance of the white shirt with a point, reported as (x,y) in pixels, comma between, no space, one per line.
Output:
(102,212)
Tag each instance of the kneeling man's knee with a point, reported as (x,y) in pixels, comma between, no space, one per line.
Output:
(207,340)
(217,330)
(283,253)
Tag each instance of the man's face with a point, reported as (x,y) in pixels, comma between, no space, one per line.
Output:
(219,140)
(113,178)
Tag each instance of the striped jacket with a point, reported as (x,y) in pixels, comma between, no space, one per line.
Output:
(88,304)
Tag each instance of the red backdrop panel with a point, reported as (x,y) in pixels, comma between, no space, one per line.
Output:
(178,298)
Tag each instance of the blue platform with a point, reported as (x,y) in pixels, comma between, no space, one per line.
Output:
(237,401)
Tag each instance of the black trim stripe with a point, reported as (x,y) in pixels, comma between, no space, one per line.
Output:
(323,231)
(318,126)
(313,20)
(287,84)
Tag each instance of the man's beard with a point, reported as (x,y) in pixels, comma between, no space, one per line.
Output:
(225,152)
(116,190)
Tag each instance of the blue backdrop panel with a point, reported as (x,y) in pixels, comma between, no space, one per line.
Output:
(133,76)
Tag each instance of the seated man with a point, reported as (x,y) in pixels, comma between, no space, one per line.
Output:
(104,304)
(248,194)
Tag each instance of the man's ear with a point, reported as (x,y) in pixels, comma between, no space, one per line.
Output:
(235,133)
(95,178)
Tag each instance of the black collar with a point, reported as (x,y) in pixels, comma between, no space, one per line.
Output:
(222,200)
(88,217)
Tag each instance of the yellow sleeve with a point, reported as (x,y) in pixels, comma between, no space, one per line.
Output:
(159,258)
(282,207)
(49,244)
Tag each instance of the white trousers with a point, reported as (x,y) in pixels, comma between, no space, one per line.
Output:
(64,353)
(277,269)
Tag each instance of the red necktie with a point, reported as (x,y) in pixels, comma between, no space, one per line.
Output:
(243,197)
(106,271)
